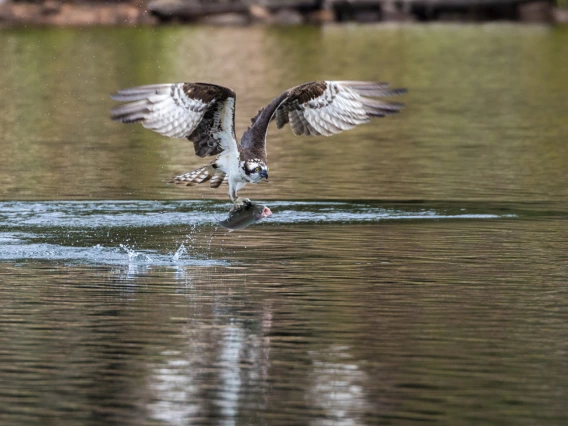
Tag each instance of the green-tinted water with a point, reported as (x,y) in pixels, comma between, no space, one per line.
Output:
(414,270)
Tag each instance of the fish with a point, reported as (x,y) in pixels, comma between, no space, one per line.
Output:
(244,214)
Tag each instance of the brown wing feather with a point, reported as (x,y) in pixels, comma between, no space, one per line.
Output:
(330,107)
(320,108)
(195,111)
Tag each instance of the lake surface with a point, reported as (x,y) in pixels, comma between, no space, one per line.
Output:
(414,270)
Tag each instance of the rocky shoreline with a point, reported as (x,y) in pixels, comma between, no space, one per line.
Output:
(56,13)
(277,12)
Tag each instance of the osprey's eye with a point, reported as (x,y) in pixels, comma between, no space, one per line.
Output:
(258,169)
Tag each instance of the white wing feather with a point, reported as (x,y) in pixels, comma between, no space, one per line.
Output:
(341,106)
(200,112)
(163,108)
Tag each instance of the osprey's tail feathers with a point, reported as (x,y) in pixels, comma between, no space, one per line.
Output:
(204,174)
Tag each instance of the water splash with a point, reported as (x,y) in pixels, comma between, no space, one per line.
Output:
(135,256)
(101,232)
(25,247)
(179,253)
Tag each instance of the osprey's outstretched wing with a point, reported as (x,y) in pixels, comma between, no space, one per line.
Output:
(330,107)
(323,108)
(201,112)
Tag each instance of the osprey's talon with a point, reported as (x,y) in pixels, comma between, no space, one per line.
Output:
(241,202)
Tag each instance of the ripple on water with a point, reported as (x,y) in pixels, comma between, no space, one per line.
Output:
(111,214)
(63,230)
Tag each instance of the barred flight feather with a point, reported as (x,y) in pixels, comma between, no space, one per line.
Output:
(330,107)
(200,112)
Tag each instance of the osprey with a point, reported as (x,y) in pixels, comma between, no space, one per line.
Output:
(205,114)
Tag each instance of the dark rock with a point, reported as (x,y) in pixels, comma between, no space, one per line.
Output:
(560,15)
(368,15)
(225,19)
(51,7)
(322,16)
(5,12)
(288,17)
(538,11)
(396,12)
(260,14)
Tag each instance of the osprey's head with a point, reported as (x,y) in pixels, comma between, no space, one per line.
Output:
(255,170)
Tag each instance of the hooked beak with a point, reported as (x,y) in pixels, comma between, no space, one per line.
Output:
(264,174)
